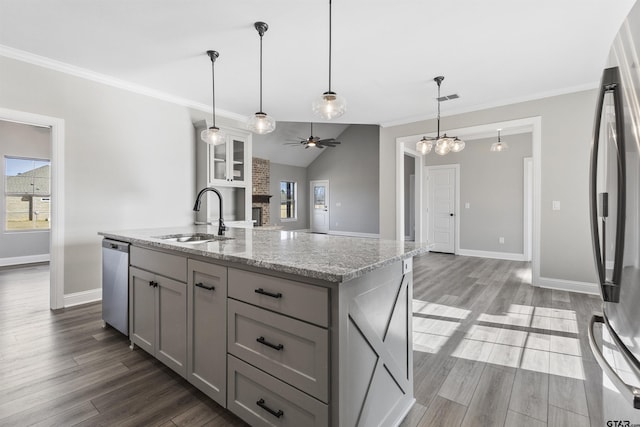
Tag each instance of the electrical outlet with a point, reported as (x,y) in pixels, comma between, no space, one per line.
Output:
(501,240)
(555,205)
(467,205)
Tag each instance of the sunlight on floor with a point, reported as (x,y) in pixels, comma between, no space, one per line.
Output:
(534,338)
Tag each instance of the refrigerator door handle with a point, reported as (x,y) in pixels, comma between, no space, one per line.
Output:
(632,394)
(610,83)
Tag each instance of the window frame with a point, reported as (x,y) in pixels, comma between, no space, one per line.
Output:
(6,194)
(294,215)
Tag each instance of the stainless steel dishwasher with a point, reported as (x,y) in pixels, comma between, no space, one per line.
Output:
(115,284)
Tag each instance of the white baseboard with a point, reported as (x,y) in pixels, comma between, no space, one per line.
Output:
(83,297)
(488,254)
(568,285)
(354,234)
(19,260)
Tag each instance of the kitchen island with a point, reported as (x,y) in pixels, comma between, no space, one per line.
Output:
(282,328)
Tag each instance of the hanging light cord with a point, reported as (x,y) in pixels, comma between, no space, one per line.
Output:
(261,34)
(213,84)
(329,45)
(438,135)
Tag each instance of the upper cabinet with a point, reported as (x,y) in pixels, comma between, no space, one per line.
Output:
(229,164)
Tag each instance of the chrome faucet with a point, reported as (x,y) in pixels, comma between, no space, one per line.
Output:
(196,208)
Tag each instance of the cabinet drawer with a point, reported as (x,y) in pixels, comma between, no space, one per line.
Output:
(293,351)
(262,400)
(300,300)
(167,265)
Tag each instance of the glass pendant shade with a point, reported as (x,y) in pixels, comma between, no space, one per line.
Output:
(499,146)
(457,145)
(329,105)
(424,146)
(443,146)
(261,123)
(213,136)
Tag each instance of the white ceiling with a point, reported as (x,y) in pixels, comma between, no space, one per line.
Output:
(386,53)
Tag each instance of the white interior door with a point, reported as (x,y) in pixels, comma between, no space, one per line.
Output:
(441,190)
(319,206)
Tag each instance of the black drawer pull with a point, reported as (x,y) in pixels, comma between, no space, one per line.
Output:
(203,286)
(269,294)
(276,414)
(278,347)
(153,284)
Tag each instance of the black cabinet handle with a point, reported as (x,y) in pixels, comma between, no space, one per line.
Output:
(153,284)
(269,294)
(203,286)
(261,340)
(276,414)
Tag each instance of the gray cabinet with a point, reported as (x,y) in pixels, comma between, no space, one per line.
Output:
(207,329)
(158,306)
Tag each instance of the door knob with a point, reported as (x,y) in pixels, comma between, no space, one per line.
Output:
(451,214)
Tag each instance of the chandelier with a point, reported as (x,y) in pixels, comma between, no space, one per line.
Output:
(499,146)
(440,144)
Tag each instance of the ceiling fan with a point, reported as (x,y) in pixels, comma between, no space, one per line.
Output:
(315,141)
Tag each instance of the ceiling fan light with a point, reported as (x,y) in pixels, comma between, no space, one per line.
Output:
(329,105)
(213,136)
(311,143)
(261,123)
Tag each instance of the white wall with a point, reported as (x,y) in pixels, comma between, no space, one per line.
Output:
(567,123)
(20,140)
(129,159)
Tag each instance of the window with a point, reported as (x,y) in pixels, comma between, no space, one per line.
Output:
(288,202)
(27,188)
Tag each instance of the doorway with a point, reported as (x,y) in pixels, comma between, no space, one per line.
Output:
(320,214)
(442,207)
(56,245)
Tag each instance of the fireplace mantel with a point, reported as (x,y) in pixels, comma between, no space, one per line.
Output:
(261,198)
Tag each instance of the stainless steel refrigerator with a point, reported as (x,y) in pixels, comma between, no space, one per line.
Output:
(615,226)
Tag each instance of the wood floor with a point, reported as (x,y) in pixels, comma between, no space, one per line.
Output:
(489,350)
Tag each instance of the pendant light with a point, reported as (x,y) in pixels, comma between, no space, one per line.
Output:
(261,122)
(440,144)
(213,135)
(499,146)
(329,105)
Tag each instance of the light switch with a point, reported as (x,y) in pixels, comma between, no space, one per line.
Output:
(555,205)
(338,204)
(467,205)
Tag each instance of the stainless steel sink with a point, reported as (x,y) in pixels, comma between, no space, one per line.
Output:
(192,238)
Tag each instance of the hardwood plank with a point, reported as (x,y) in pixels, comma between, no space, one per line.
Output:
(443,413)
(491,399)
(530,394)
(462,381)
(559,417)
(414,416)
(514,419)
(568,394)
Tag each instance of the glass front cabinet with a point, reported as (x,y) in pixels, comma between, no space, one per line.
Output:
(230,163)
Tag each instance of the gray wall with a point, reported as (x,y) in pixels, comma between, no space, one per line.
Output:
(129,159)
(19,140)
(492,184)
(299,176)
(567,120)
(352,169)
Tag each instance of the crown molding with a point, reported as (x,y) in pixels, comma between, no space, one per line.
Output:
(502,103)
(63,67)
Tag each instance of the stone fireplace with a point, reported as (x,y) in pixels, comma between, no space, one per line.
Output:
(261,187)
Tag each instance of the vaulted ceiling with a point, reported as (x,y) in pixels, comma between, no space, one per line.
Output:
(385,53)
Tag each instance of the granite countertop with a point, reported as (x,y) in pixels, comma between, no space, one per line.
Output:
(319,256)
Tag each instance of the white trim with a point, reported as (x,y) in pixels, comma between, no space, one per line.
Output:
(489,254)
(56,250)
(403,148)
(500,103)
(569,285)
(456,222)
(527,209)
(84,73)
(83,297)
(20,260)
(354,234)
